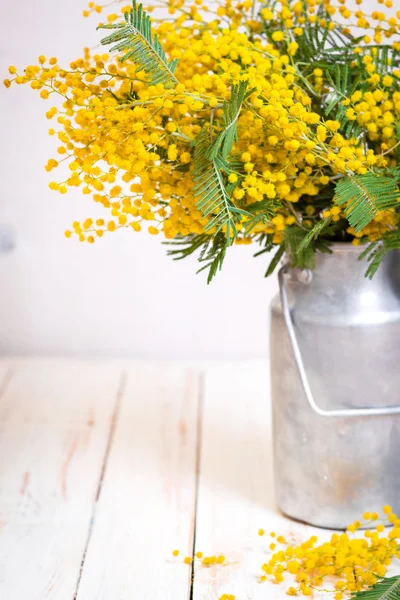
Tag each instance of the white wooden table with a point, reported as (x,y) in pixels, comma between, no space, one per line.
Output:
(106,467)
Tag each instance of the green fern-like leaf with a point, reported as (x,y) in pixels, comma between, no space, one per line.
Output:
(386,589)
(212,197)
(210,162)
(343,84)
(261,212)
(376,251)
(135,38)
(314,233)
(182,247)
(213,256)
(364,195)
(293,238)
(275,260)
(265,240)
(223,143)
(212,251)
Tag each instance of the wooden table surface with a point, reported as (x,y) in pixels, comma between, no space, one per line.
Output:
(107,466)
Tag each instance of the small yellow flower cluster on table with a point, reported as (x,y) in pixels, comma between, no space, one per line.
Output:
(344,565)
(201,560)
(206,561)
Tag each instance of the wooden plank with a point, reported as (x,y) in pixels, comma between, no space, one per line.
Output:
(6,373)
(236,484)
(147,502)
(55,419)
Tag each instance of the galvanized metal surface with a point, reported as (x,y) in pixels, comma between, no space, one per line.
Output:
(347,329)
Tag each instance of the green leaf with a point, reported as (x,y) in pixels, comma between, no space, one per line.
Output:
(269,206)
(386,589)
(185,246)
(213,256)
(212,251)
(212,192)
(342,77)
(264,240)
(381,60)
(343,81)
(293,238)
(223,143)
(314,233)
(301,255)
(376,251)
(261,212)
(212,197)
(364,196)
(333,100)
(276,260)
(136,40)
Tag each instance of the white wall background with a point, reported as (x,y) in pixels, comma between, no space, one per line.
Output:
(121,296)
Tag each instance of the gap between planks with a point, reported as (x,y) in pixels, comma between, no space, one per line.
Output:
(55,418)
(199,440)
(111,435)
(110,488)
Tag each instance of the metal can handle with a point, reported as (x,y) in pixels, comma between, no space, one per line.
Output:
(350,412)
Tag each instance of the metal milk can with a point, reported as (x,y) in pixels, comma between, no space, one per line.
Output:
(335,368)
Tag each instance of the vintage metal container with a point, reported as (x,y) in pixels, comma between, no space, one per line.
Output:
(335,368)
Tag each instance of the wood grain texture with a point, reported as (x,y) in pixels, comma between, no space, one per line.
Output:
(106,467)
(146,506)
(55,418)
(236,495)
